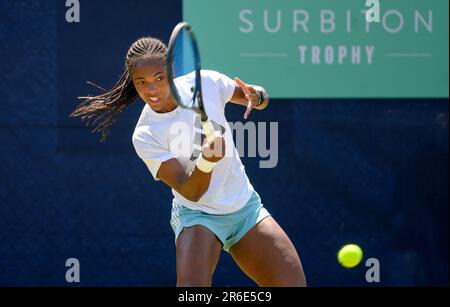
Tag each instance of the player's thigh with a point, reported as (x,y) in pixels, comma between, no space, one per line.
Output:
(267,255)
(197,253)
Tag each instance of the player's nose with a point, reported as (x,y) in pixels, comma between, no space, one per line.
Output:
(151,88)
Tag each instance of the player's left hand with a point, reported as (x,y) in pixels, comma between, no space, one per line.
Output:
(251,94)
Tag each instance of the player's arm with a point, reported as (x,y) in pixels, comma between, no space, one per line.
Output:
(192,186)
(250,96)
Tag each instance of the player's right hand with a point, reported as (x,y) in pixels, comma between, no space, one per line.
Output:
(213,149)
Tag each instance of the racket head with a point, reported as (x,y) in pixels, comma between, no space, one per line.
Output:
(183,61)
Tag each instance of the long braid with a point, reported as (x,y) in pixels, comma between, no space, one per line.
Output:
(103,110)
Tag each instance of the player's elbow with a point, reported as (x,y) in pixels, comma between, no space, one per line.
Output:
(194,198)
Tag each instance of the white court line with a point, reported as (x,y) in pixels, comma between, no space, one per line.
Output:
(410,55)
(263,55)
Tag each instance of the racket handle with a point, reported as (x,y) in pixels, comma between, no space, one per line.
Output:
(209,130)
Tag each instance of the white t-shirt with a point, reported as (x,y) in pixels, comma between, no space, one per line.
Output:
(159,137)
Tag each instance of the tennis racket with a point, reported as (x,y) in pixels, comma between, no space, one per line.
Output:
(183,60)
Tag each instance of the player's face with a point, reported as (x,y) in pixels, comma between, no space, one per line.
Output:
(150,80)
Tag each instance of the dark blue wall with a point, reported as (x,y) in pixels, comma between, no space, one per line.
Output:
(372,172)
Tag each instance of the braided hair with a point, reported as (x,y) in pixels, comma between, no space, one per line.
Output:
(102,110)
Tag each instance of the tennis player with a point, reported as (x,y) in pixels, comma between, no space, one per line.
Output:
(215,206)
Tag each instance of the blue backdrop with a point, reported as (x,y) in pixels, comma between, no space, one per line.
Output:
(371,172)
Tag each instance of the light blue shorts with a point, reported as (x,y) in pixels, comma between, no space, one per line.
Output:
(229,228)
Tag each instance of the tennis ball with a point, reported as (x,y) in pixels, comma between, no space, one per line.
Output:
(350,255)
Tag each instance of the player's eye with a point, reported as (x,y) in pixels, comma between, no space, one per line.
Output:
(140,82)
(160,78)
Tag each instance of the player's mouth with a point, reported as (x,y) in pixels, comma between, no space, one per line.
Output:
(154,99)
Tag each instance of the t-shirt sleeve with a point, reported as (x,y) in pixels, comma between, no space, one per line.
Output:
(224,83)
(150,150)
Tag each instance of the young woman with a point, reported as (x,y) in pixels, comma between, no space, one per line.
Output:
(214,207)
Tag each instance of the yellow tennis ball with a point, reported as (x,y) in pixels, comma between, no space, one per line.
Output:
(350,255)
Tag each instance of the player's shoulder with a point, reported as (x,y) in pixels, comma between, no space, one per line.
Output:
(144,137)
(213,78)
(212,75)
(144,117)
(143,128)
(142,133)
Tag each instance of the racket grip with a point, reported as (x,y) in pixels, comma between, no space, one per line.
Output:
(208,128)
